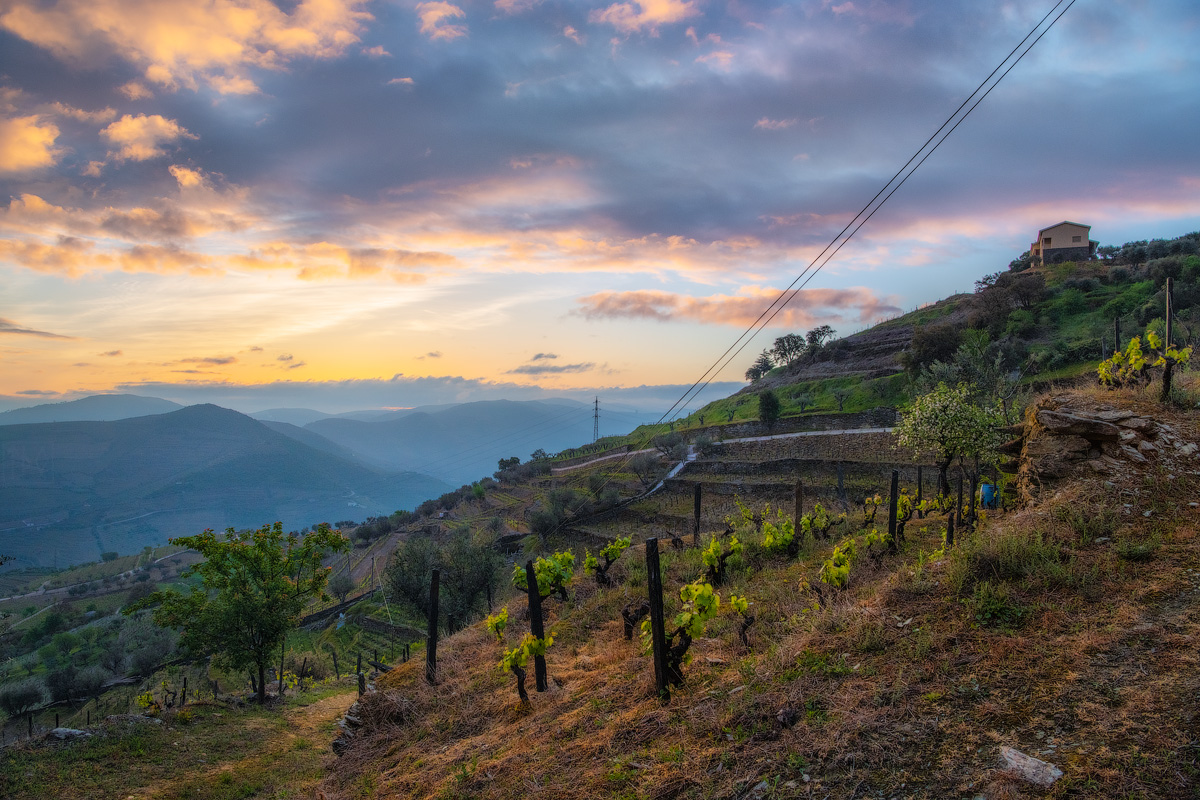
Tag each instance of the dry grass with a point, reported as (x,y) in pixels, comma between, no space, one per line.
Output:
(894,689)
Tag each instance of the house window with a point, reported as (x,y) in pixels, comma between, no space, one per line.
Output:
(1046,241)
(1076,239)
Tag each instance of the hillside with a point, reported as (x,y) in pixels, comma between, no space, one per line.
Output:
(1065,630)
(91,487)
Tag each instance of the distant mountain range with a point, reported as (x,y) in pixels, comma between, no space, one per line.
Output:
(118,472)
(96,408)
(70,491)
(462,443)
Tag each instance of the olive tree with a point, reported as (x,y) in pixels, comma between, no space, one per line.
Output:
(946,424)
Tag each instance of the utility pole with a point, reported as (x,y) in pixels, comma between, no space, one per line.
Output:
(596,421)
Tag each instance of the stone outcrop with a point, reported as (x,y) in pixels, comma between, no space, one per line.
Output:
(1065,436)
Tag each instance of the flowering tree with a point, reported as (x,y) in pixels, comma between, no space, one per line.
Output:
(948,425)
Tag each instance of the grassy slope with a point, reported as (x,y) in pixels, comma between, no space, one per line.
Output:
(210,752)
(1066,630)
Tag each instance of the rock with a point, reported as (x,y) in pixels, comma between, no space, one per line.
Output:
(67,733)
(1031,769)
(787,717)
(1146,447)
(1092,429)
(1133,454)
(1114,416)
(760,790)
(1188,450)
(1137,424)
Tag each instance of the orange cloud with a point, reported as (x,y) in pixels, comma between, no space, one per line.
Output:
(184,43)
(804,307)
(141,137)
(644,14)
(27,143)
(433,17)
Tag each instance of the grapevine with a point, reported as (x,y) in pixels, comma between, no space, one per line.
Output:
(514,660)
(741,606)
(552,574)
(610,554)
(715,556)
(496,623)
(820,521)
(700,604)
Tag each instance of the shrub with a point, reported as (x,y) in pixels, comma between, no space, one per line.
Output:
(1000,555)
(991,604)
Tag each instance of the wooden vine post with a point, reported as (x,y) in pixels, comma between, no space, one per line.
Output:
(432,634)
(658,634)
(974,490)
(696,514)
(536,625)
(950,531)
(893,500)
(958,505)
(920,486)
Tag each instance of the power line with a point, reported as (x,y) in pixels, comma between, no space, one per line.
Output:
(871,207)
(867,211)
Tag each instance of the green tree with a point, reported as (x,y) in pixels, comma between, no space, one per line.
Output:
(340,586)
(256,585)
(761,366)
(768,407)
(788,349)
(948,425)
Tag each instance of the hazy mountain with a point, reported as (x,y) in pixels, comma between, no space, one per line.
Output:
(72,490)
(292,416)
(97,407)
(462,443)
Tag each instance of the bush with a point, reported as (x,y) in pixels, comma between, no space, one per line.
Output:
(61,683)
(20,696)
(1001,555)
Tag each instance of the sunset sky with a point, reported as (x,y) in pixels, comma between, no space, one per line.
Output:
(346,204)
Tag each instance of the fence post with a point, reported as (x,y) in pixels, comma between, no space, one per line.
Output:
(920,486)
(696,512)
(183,702)
(336,669)
(950,531)
(799,503)
(892,503)
(536,626)
(431,639)
(658,635)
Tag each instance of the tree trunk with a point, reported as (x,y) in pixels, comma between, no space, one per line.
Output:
(262,682)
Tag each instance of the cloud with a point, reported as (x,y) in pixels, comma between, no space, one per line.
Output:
(27,143)
(297,365)
(401,82)
(110,353)
(540,356)
(216,360)
(430,354)
(550,369)
(136,91)
(183,44)
(284,357)
(37,393)
(647,14)
(378,51)
(433,17)
(95,117)
(7,326)
(805,306)
(141,137)
(572,34)
(774,124)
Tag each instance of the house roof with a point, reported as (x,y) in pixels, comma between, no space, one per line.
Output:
(1064,222)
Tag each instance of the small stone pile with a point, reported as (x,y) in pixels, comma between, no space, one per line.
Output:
(1066,436)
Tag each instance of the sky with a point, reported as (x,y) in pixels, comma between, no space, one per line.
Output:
(345,204)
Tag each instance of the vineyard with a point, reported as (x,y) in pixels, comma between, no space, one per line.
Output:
(855,651)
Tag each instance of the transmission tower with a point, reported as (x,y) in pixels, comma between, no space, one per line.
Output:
(596,421)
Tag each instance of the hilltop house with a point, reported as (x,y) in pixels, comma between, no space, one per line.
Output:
(1066,241)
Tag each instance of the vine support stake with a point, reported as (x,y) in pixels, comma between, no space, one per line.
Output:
(432,634)
(696,512)
(893,500)
(958,506)
(950,531)
(920,486)
(536,626)
(974,489)
(799,502)
(658,634)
